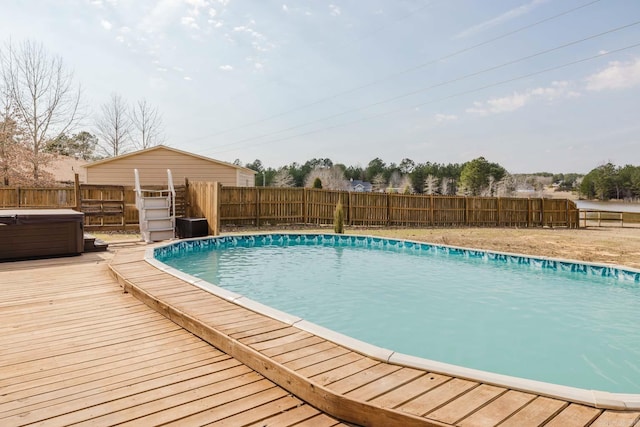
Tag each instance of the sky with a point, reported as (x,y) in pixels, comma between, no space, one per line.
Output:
(534,85)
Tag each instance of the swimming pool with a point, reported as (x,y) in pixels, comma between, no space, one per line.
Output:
(548,320)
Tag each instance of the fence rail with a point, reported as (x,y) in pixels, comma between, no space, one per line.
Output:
(609,218)
(264,205)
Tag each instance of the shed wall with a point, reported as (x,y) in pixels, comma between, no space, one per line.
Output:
(153,166)
(246,179)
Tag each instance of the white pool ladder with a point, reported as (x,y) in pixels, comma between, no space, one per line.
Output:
(156,210)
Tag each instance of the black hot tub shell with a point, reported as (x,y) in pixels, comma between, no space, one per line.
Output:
(34,233)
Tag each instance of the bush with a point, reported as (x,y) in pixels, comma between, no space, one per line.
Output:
(338,219)
(317,183)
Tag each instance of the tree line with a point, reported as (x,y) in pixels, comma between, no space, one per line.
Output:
(476,177)
(609,181)
(41,111)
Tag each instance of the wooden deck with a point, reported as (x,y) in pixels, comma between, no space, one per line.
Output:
(75,350)
(343,383)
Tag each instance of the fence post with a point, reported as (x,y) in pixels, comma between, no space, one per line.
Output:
(76,191)
(187,198)
(19,203)
(388,209)
(304,205)
(498,210)
(544,219)
(432,210)
(349,213)
(257,190)
(466,210)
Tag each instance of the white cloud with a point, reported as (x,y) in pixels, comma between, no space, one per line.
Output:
(258,66)
(441,118)
(226,67)
(617,75)
(500,19)
(187,78)
(285,8)
(517,100)
(212,12)
(259,42)
(334,10)
(106,24)
(161,69)
(223,2)
(190,22)
(161,16)
(197,3)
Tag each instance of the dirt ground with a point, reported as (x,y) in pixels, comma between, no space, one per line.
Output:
(619,246)
(611,245)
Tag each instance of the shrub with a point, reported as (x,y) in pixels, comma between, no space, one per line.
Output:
(338,219)
(317,183)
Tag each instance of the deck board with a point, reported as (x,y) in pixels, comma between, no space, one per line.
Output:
(468,403)
(77,350)
(400,395)
(384,384)
(575,416)
(536,413)
(311,355)
(498,410)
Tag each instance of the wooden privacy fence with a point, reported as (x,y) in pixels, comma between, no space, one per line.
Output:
(264,205)
(112,207)
(37,198)
(105,207)
(204,202)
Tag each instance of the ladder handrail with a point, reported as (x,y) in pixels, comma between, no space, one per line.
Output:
(137,187)
(173,193)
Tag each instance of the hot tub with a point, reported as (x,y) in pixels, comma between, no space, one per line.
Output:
(34,233)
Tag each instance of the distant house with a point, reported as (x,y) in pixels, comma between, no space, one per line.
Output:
(360,186)
(152,164)
(64,168)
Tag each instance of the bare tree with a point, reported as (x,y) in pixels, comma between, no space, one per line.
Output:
(378,182)
(331,178)
(446,186)
(431,185)
(43,97)
(395,180)
(405,185)
(283,178)
(506,186)
(12,153)
(147,122)
(114,127)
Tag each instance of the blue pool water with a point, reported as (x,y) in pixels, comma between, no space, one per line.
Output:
(559,322)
